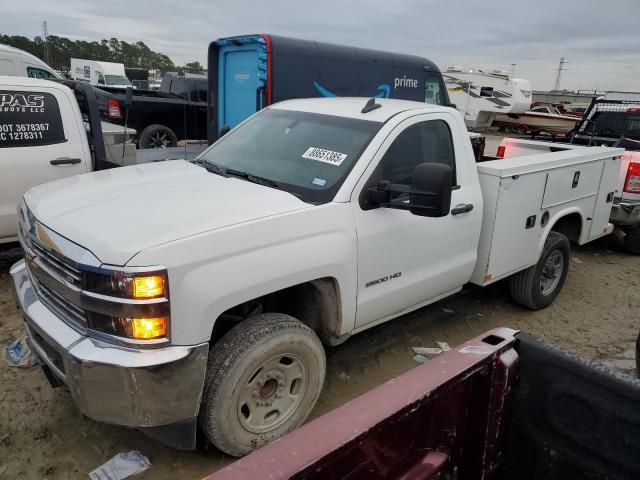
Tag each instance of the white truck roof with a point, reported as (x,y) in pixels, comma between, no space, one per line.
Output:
(11,80)
(27,58)
(351,107)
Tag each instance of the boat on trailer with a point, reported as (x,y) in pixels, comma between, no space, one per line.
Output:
(543,120)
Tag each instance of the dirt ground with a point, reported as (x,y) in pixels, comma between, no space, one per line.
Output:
(43,435)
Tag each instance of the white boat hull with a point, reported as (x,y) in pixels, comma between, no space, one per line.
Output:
(534,121)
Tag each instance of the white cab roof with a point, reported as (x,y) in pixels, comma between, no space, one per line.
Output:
(351,107)
(10,80)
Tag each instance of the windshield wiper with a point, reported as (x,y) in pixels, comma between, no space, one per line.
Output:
(252,178)
(211,167)
(226,172)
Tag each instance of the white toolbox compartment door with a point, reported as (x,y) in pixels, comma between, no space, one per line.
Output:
(572,183)
(600,221)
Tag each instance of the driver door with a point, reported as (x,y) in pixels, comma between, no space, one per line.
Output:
(405,260)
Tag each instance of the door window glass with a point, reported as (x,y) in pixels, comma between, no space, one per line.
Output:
(423,142)
(34,72)
(177,88)
(29,119)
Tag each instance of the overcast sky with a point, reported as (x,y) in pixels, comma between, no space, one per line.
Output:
(601,40)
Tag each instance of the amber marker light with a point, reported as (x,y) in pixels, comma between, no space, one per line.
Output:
(149,328)
(148,287)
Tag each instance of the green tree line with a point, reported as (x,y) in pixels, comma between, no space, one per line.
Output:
(61,50)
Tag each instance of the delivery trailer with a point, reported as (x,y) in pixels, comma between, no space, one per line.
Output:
(249,72)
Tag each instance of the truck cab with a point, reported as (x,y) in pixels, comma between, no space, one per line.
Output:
(100,74)
(42,138)
(50,130)
(16,62)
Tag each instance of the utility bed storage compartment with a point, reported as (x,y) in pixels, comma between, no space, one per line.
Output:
(524,196)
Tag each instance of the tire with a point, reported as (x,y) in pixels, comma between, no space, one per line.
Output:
(533,288)
(521,130)
(632,241)
(157,136)
(508,129)
(246,382)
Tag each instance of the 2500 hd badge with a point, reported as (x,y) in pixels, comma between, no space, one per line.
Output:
(383,279)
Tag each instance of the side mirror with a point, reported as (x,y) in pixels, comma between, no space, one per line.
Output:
(431,190)
(224,130)
(428,196)
(452,105)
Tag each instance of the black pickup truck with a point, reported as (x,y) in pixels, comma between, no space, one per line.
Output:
(177,111)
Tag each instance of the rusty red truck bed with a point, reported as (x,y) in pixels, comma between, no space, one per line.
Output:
(503,405)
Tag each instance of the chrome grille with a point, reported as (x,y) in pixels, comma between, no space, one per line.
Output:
(61,307)
(64,271)
(58,264)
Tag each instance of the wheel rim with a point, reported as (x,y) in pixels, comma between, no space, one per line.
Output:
(552,272)
(272,393)
(159,140)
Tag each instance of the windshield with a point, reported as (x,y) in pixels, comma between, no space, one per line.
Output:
(117,80)
(306,154)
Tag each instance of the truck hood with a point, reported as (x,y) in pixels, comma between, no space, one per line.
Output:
(119,212)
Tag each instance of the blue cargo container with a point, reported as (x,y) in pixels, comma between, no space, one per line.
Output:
(249,72)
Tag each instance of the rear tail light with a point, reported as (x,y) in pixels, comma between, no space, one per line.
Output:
(633,110)
(632,182)
(500,152)
(114,108)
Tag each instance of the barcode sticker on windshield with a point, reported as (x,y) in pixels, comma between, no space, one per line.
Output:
(326,156)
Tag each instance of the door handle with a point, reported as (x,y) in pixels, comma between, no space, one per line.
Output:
(65,161)
(462,208)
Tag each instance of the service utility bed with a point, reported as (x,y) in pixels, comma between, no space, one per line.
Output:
(524,196)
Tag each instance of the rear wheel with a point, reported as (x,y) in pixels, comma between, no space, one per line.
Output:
(263,379)
(632,241)
(157,136)
(521,130)
(538,286)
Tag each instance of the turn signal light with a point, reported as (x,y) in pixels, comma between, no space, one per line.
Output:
(148,287)
(149,328)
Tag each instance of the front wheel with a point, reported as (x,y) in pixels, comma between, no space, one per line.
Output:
(263,379)
(538,286)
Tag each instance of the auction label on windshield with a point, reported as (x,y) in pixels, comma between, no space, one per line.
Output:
(29,119)
(326,156)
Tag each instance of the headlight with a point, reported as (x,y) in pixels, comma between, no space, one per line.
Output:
(137,328)
(148,287)
(140,304)
(145,285)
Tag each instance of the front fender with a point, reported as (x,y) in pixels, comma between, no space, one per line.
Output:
(213,272)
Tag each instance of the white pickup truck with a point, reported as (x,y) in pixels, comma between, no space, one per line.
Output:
(51,130)
(178,295)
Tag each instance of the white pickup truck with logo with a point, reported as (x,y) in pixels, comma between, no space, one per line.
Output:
(181,295)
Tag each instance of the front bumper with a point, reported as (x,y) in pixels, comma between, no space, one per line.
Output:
(625,213)
(110,383)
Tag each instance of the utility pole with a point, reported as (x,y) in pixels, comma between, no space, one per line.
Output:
(45,43)
(560,69)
